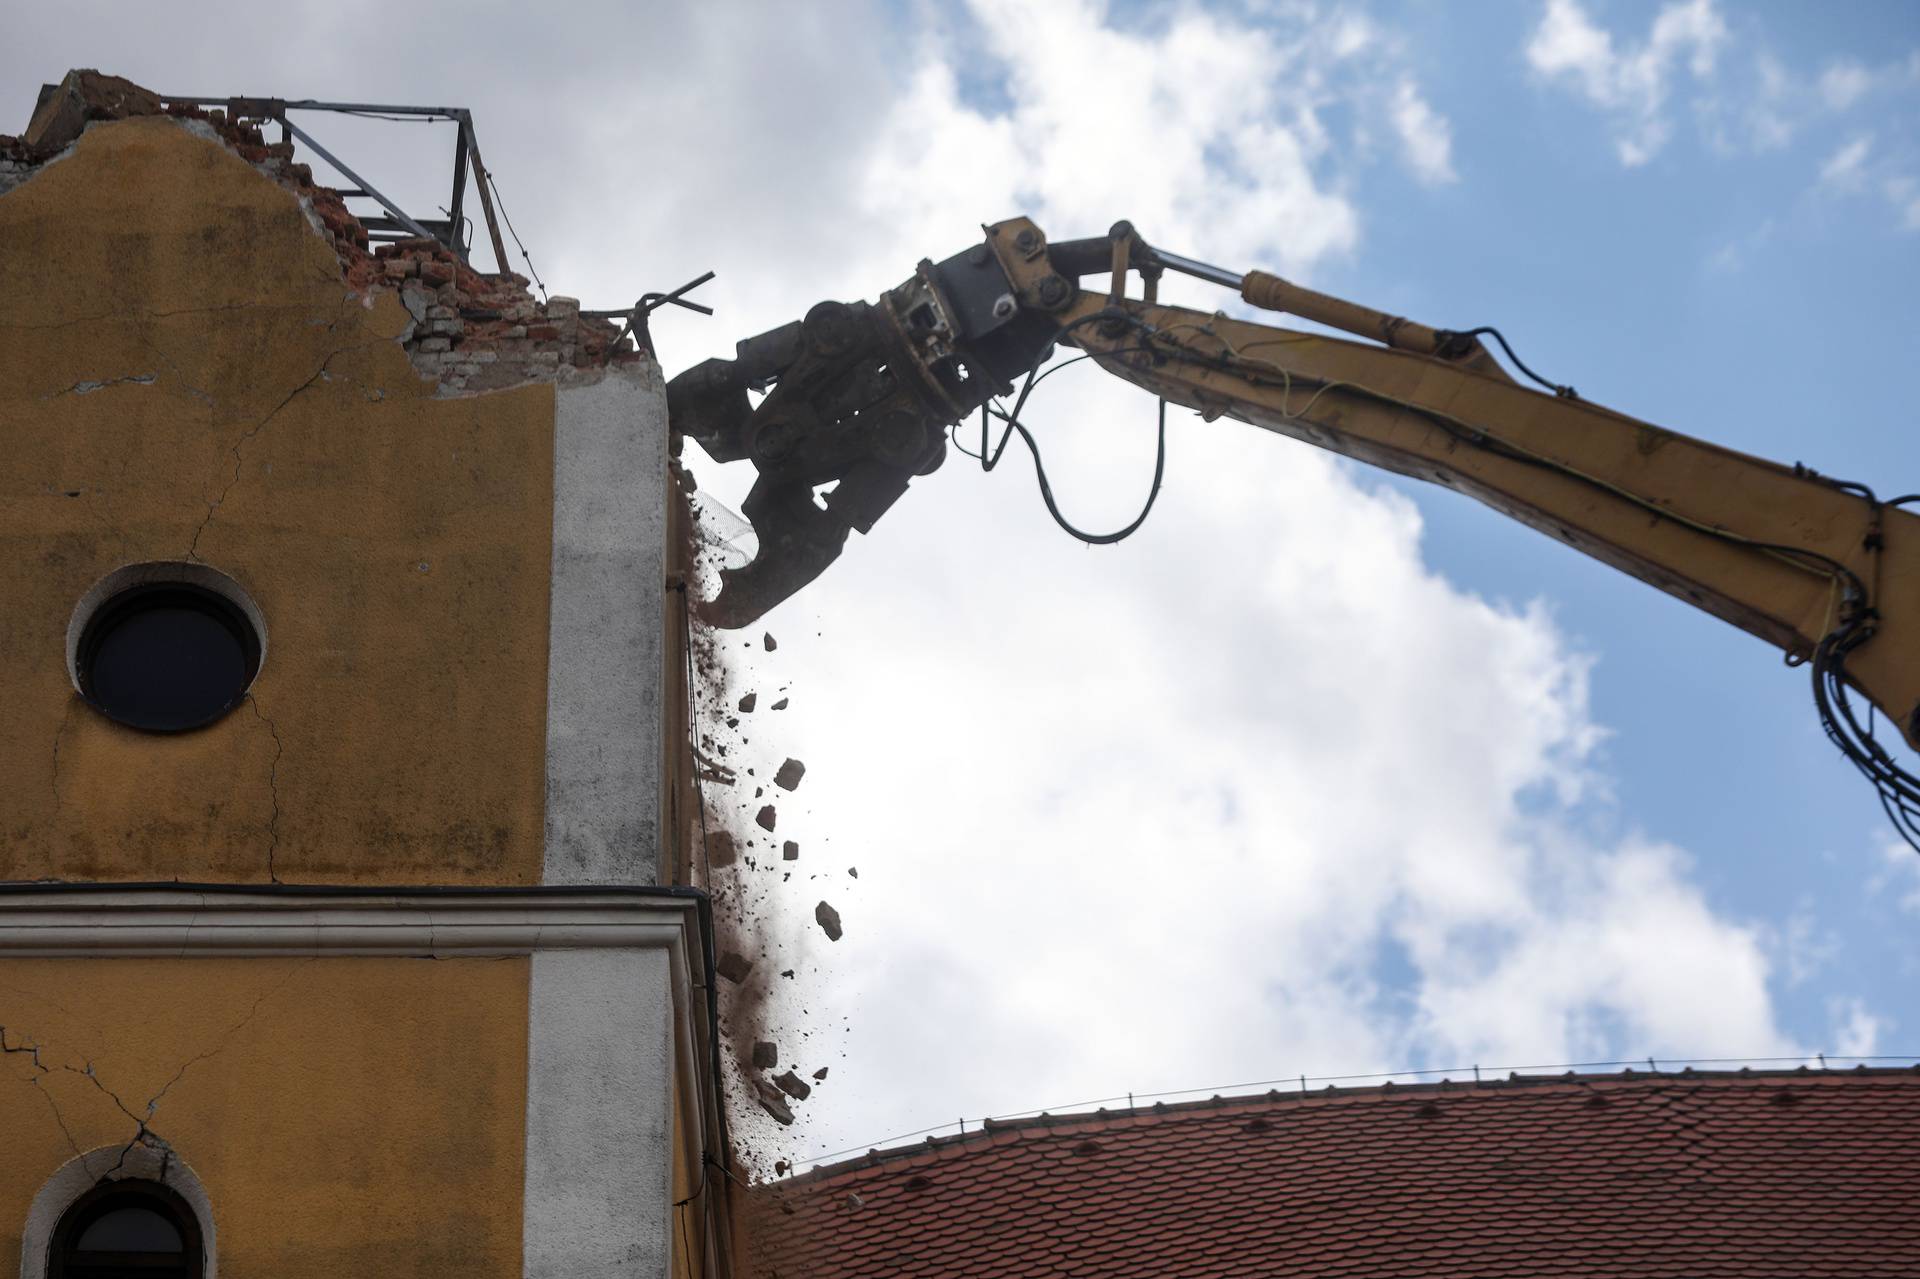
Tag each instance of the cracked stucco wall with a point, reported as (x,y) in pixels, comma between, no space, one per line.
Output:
(304,1093)
(184,374)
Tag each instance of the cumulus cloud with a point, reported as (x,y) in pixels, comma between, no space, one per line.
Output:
(1630,82)
(1424,135)
(1844,83)
(1856,1030)
(1259,791)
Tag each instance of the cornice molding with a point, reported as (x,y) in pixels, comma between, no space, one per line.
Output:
(117,921)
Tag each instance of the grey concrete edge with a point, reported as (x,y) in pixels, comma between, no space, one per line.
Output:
(605,639)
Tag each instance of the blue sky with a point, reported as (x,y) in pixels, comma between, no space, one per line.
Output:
(1324,771)
(1726,291)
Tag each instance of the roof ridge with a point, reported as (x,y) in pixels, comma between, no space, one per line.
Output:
(991,1129)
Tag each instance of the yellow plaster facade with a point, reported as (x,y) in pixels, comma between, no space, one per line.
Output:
(184,375)
(347,1116)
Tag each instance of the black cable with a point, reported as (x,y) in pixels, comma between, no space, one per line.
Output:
(991,458)
(500,200)
(1564,392)
(1898,789)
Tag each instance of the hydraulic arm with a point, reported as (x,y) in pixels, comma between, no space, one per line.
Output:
(861,395)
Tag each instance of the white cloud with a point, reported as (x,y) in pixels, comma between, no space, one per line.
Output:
(1631,83)
(1844,83)
(1257,792)
(1898,879)
(1844,169)
(1424,135)
(1856,1030)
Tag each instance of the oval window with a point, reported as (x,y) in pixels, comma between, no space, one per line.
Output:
(166,656)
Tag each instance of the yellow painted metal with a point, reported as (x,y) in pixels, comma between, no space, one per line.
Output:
(1647,500)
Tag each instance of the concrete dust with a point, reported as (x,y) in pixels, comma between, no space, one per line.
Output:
(757,921)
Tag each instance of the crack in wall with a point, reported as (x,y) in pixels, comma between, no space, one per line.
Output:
(87,386)
(125,315)
(60,734)
(144,1134)
(178,372)
(32,1053)
(273,786)
(239,461)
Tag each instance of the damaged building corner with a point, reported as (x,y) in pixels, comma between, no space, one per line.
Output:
(417,527)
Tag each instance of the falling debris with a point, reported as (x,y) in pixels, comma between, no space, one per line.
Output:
(773,1103)
(854,871)
(829,920)
(720,849)
(820,1074)
(766,1054)
(734,966)
(747,703)
(790,851)
(786,972)
(766,817)
(792,1085)
(770,641)
(780,705)
(790,774)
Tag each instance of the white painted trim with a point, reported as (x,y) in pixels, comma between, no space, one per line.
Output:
(78,1175)
(600,1078)
(606,632)
(163,922)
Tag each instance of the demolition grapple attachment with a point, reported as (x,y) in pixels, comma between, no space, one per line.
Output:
(858,397)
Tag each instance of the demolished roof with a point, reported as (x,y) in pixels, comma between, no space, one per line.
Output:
(1750,1173)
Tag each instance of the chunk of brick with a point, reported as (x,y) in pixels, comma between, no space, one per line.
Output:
(792,1085)
(829,920)
(773,1103)
(734,966)
(820,1074)
(766,1055)
(747,702)
(790,774)
(770,641)
(720,849)
(766,817)
(790,851)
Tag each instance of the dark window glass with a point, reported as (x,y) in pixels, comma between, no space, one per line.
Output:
(138,1229)
(127,1230)
(167,657)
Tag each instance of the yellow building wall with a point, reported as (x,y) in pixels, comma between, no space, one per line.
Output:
(346,1116)
(184,374)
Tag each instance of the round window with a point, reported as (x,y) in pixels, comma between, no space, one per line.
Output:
(166,655)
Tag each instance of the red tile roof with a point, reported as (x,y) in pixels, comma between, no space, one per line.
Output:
(1788,1174)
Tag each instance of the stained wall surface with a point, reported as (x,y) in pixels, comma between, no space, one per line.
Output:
(347,1116)
(184,375)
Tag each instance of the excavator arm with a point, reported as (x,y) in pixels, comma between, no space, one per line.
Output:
(1819,568)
